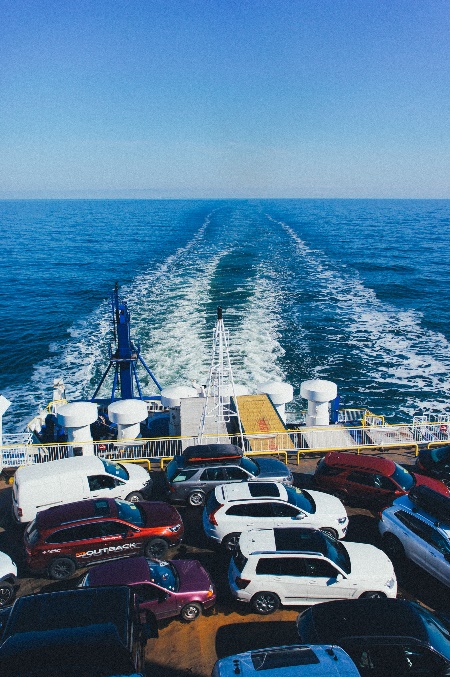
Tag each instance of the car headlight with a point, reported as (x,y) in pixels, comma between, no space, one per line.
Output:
(342,520)
(176,528)
(390,583)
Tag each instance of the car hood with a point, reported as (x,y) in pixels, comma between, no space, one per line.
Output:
(137,473)
(271,468)
(160,514)
(192,576)
(437,485)
(326,503)
(369,563)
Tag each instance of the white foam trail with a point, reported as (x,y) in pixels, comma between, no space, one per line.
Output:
(394,344)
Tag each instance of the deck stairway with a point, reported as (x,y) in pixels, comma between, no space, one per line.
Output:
(259,417)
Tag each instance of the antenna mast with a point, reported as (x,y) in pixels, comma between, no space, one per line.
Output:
(220,387)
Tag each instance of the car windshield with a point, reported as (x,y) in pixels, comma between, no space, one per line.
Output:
(116,469)
(440,454)
(163,574)
(402,477)
(438,632)
(337,553)
(130,512)
(250,466)
(301,499)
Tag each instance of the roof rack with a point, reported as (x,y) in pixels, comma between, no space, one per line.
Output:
(435,504)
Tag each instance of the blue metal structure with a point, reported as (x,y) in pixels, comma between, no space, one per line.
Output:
(125,356)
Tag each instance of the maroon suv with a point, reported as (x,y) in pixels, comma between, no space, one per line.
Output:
(368,480)
(177,588)
(66,537)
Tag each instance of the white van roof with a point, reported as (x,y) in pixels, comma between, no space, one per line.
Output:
(69,466)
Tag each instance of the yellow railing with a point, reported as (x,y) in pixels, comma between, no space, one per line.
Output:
(290,444)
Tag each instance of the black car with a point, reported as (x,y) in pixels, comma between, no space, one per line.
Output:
(91,632)
(435,462)
(384,637)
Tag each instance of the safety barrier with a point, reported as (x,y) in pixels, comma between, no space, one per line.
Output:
(291,444)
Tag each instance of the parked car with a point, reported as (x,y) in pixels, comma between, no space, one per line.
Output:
(44,485)
(435,462)
(177,588)
(233,508)
(384,637)
(8,580)
(100,633)
(371,481)
(67,537)
(305,566)
(288,661)
(418,526)
(193,475)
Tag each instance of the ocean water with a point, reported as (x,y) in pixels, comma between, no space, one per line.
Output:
(354,291)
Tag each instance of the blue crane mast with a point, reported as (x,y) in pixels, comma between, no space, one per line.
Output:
(123,359)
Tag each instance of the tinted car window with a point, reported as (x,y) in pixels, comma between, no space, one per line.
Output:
(130,512)
(80,533)
(268,566)
(403,478)
(184,475)
(321,568)
(233,473)
(301,499)
(251,510)
(97,482)
(284,510)
(116,469)
(112,528)
(364,478)
(212,475)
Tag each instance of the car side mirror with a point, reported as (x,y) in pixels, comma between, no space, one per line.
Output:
(339,578)
(300,516)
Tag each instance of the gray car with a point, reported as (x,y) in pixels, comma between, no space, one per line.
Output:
(190,482)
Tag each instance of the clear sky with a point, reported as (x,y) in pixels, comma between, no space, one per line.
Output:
(225,98)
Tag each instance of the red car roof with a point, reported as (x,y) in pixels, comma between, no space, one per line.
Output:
(383,465)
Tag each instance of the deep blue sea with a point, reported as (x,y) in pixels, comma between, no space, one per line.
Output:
(353,291)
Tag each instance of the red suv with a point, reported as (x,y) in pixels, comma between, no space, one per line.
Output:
(368,480)
(66,537)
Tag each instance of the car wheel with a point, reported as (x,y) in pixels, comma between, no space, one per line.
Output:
(265,603)
(191,611)
(230,542)
(373,594)
(156,548)
(62,567)
(393,547)
(7,593)
(196,499)
(134,497)
(332,533)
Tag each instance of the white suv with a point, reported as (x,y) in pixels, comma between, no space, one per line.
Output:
(8,580)
(418,526)
(306,566)
(233,508)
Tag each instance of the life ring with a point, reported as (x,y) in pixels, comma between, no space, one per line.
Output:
(443,428)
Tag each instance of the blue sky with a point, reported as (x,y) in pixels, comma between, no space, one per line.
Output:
(225,98)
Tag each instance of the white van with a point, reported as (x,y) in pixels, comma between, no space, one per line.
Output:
(41,486)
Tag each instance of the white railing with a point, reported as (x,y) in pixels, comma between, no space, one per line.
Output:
(292,443)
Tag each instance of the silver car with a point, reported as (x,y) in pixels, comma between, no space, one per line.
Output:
(190,482)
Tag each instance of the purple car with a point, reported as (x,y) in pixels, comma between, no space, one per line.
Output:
(181,587)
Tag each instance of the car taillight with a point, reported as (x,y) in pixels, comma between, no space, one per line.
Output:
(19,512)
(212,516)
(241,583)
